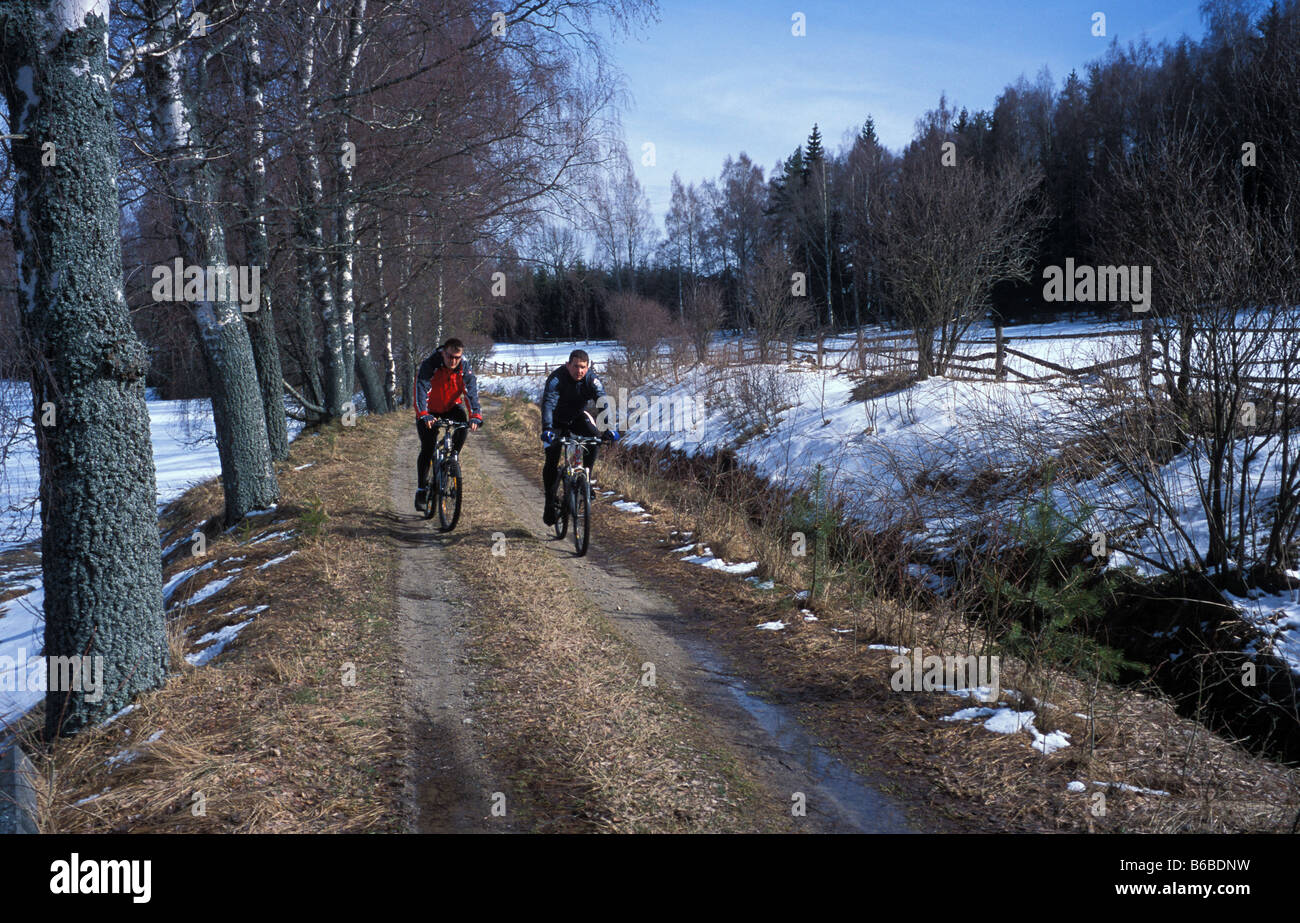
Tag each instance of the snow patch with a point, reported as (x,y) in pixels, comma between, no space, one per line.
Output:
(212,589)
(219,640)
(280,559)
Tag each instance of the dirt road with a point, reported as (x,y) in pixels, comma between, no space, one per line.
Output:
(448,781)
(802,787)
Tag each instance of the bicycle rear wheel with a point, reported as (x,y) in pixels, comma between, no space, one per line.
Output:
(581,508)
(449,495)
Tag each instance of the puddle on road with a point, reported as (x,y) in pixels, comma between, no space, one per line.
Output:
(854,803)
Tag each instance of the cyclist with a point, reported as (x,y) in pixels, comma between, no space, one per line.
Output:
(567,391)
(444,379)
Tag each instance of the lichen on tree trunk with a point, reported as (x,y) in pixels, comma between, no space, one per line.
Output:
(100,557)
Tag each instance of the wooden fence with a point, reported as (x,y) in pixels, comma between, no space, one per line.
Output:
(896,353)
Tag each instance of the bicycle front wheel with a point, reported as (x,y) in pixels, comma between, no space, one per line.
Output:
(560,498)
(581,508)
(449,495)
(431,489)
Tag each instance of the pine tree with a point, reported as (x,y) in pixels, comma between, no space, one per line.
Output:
(868,133)
(815,153)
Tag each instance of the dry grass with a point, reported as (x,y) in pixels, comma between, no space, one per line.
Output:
(585,745)
(979,779)
(269,736)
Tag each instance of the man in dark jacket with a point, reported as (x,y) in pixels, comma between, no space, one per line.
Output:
(443,381)
(567,391)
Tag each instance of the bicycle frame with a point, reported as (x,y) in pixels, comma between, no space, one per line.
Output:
(573,455)
(435,476)
(575,477)
(446,443)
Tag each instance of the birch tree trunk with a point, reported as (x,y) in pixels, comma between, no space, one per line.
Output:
(412,360)
(261,323)
(311,348)
(386,311)
(345,218)
(438,338)
(826,250)
(247,472)
(371,386)
(312,234)
(100,559)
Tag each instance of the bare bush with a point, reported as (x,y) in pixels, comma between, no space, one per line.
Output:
(641,325)
(704,316)
(950,233)
(1227,278)
(774,313)
(478,346)
(752,396)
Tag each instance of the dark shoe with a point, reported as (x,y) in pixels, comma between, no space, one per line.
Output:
(420,496)
(549,515)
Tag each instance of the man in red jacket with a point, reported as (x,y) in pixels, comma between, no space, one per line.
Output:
(441,383)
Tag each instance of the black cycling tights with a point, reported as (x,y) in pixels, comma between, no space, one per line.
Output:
(429,443)
(579,427)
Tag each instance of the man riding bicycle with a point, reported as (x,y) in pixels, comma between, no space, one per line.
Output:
(443,380)
(567,391)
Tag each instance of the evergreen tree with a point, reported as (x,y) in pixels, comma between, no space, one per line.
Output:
(815,154)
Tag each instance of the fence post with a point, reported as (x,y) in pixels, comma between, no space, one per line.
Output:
(789,350)
(1148,339)
(999,361)
(862,352)
(821,347)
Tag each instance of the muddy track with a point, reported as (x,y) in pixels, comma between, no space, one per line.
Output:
(448,785)
(763,737)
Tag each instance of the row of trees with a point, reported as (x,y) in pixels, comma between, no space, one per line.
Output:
(990,198)
(362,165)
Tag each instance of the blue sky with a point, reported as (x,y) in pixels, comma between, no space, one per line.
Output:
(719,77)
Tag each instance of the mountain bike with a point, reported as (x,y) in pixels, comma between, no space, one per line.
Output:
(443,496)
(573,487)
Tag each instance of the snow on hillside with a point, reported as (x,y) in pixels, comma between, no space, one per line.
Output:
(873,450)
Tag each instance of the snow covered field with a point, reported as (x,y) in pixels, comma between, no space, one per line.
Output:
(872,450)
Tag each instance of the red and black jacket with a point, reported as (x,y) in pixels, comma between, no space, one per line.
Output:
(438,389)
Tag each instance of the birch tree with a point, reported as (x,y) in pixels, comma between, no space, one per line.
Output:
(261,323)
(309,220)
(100,558)
(247,472)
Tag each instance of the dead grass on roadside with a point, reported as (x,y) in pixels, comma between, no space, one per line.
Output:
(826,668)
(295,726)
